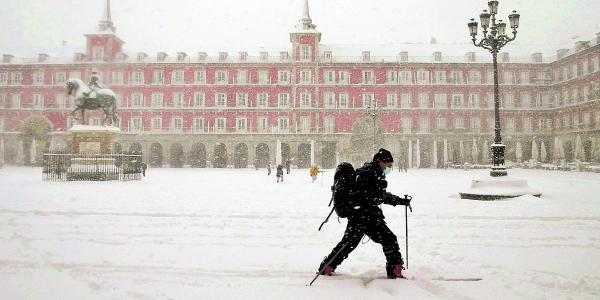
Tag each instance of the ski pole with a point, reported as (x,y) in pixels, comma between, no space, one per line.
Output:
(327,264)
(406,225)
(326,219)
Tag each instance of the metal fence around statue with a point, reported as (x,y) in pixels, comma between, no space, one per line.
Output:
(62,166)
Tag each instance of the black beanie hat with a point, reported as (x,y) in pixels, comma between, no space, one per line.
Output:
(383,156)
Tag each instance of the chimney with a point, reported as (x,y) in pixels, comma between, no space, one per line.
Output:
(43,57)
(536,57)
(403,56)
(560,53)
(141,56)
(470,57)
(202,56)
(222,56)
(161,56)
(7,58)
(181,56)
(79,56)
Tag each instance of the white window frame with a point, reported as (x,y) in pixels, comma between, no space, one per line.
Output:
(368,77)
(406,124)
(422,76)
(343,100)
(283,124)
(405,101)
(263,77)
(283,100)
(137,77)
(391,76)
(220,125)
(424,100)
(37,101)
(304,125)
(137,100)
(116,77)
(473,100)
(98,53)
(283,77)
(459,123)
(262,99)
(424,124)
(441,100)
(158,77)
(441,123)
(344,77)
(458,101)
(199,99)
(329,100)
(198,124)
(241,99)
(158,100)
(177,124)
(199,76)
(305,99)
(3,78)
(177,77)
(368,99)
(329,77)
(15,100)
(178,99)
(241,77)
(329,124)
(38,77)
(392,100)
(157,124)
(220,99)
(60,78)
(262,124)
(241,124)
(305,76)
(221,77)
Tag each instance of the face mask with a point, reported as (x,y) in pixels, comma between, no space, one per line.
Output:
(387,171)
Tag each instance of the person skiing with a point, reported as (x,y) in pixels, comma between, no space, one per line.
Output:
(367,217)
(279,173)
(314,171)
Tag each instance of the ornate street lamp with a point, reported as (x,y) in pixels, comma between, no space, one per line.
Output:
(494,38)
(373,112)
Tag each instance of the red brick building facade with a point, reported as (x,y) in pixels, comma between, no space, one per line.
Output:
(309,102)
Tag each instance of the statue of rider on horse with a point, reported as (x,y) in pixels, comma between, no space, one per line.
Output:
(93,97)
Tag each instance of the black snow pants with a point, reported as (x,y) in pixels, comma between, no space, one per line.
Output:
(377,230)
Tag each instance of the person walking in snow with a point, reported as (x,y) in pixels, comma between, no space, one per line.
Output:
(367,217)
(314,171)
(268,169)
(279,173)
(287,166)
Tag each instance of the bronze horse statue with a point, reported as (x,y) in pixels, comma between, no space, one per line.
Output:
(104,99)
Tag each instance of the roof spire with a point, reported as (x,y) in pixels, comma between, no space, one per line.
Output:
(106,23)
(306,21)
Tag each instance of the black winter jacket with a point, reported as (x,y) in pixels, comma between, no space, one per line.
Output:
(370,192)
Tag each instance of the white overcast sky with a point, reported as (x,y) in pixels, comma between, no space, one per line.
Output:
(32,26)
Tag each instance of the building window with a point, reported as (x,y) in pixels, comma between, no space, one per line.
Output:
(98,53)
(525,100)
(422,77)
(459,123)
(405,100)
(137,100)
(2,101)
(135,124)
(367,77)
(329,125)
(405,77)
(305,52)
(263,77)
(391,76)
(457,100)
(198,99)
(392,99)
(200,76)
(221,77)
(507,100)
(15,101)
(440,77)
(441,123)
(38,101)
(527,125)
(329,100)
(241,124)
(474,100)
(262,99)
(284,99)
(406,125)
(508,77)
(510,125)
(38,77)
(177,77)
(241,99)
(344,77)
(241,77)
(137,77)
(158,77)
(456,77)
(423,100)
(220,124)
(283,124)
(178,99)
(304,100)
(198,124)
(220,99)
(368,99)
(424,124)
(305,124)
(343,100)
(157,100)
(305,77)
(3,78)
(283,77)
(60,78)
(475,124)
(524,77)
(261,124)
(177,124)
(329,77)
(440,101)
(474,77)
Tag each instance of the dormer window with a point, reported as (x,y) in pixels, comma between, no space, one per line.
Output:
(366,55)
(202,56)
(403,56)
(141,56)
(305,52)
(42,57)
(504,57)
(327,55)
(98,53)
(79,56)
(7,58)
(264,55)
(284,55)
(470,57)
(243,56)
(181,56)
(437,56)
(161,56)
(121,56)
(222,56)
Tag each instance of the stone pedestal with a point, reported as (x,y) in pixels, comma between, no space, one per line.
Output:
(93,139)
(495,188)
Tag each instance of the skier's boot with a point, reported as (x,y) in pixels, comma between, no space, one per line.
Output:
(394,271)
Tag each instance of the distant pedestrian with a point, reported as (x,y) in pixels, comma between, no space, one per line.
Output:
(314,171)
(279,173)
(268,169)
(144,167)
(287,166)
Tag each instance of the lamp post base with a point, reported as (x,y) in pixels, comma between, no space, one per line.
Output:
(498,171)
(498,168)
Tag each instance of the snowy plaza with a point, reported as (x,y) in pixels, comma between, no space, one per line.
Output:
(236,234)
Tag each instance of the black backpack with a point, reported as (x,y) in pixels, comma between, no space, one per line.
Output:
(342,191)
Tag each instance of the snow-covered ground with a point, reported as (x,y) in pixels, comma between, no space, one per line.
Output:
(236,234)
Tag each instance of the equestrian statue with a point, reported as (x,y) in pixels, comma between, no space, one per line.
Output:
(93,97)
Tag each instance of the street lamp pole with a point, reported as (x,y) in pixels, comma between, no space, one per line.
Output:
(374,114)
(493,42)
